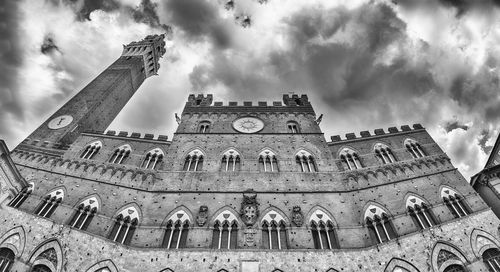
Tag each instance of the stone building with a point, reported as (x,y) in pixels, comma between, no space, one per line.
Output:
(240,187)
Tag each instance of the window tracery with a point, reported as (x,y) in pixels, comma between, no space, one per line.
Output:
(120,154)
(420,212)
(350,159)
(379,224)
(268,161)
(414,148)
(152,159)
(384,153)
(176,231)
(274,234)
(491,257)
(90,150)
(204,127)
(322,230)
(305,161)
(231,161)
(17,201)
(6,259)
(125,224)
(194,161)
(85,213)
(50,203)
(293,127)
(455,203)
(225,231)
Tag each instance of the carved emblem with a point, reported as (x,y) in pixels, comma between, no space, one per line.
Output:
(297,216)
(249,209)
(201,219)
(250,237)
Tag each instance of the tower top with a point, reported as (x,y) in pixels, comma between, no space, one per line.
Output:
(151,49)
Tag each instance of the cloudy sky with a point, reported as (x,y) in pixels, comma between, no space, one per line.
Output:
(364,64)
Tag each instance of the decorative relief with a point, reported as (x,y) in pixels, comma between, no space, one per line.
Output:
(249,209)
(49,254)
(250,236)
(201,219)
(297,216)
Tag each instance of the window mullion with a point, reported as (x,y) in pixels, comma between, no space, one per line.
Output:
(229,237)
(181,226)
(385,230)
(171,235)
(126,233)
(220,236)
(118,230)
(270,236)
(278,233)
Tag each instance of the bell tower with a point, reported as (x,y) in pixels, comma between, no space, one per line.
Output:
(98,103)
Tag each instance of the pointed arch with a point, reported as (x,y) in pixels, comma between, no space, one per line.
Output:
(306,161)
(19,199)
(420,211)
(167,270)
(414,148)
(395,263)
(445,254)
(194,160)
(120,154)
(231,160)
(349,158)
(322,229)
(268,160)
(383,153)
(126,221)
(177,225)
(102,265)
(91,149)
(316,208)
(153,158)
(454,201)
(15,240)
(130,209)
(267,214)
(223,212)
(48,253)
(481,241)
(274,229)
(50,202)
(85,211)
(225,224)
(185,212)
(379,223)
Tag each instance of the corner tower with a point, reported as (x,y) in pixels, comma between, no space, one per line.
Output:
(96,105)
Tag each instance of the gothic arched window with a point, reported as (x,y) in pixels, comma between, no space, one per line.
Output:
(322,231)
(231,161)
(125,224)
(120,154)
(414,148)
(274,234)
(268,161)
(152,159)
(17,201)
(225,231)
(84,214)
(50,203)
(194,161)
(456,203)
(91,149)
(176,231)
(454,268)
(420,212)
(491,258)
(379,224)
(350,159)
(204,127)
(6,259)
(293,127)
(384,153)
(41,268)
(305,161)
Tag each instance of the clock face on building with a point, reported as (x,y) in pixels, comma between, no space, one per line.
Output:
(248,124)
(60,121)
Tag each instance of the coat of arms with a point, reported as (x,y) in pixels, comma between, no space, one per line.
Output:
(249,209)
(297,216)
(201,219)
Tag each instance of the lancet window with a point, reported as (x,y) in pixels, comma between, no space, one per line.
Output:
(84,214)
(225,232)
(491,258)
(231,161)
(384,153)
(194,161)
(293,127)
(17,201)
(379,224)
(125,224)
(305,161)
(350,159)
(121,154)
(90,150)
(420,212)
(268,161)
(204,127)
(152,159)
(322,231)
(6,259)
(455,203)
(50,203)
(176,231)
(414,148)
(274,234)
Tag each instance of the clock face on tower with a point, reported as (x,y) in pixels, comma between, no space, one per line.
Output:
(60,121)
(248,124)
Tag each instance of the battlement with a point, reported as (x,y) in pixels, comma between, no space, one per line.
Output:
(203,103)
(133,135)
(150,49)
(377,132)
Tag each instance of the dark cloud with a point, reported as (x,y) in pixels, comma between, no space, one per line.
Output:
(48,46)
(454,124)
(461,6)
(147,13)
(10,60)
(83,8)
(484,136)
(199,20)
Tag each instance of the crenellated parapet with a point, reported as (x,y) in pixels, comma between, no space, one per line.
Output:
(150,49)
(376,133)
